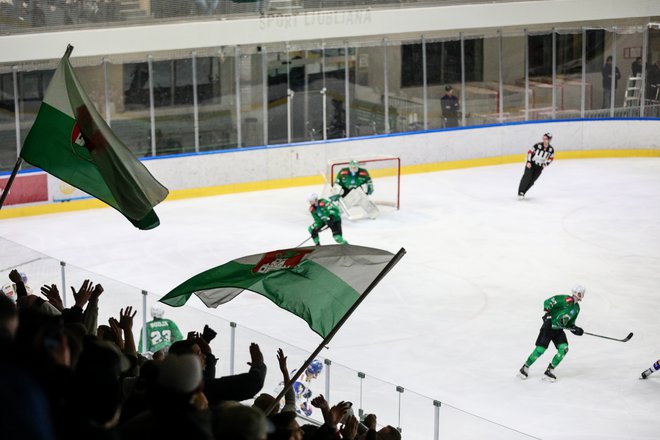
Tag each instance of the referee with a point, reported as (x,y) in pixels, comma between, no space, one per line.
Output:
(538,157)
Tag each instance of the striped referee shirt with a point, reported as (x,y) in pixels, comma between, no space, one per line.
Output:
(540,156)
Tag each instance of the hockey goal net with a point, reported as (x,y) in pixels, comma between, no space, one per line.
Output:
(385,172)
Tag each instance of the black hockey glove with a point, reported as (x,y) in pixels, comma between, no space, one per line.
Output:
(577,331)
(208,333)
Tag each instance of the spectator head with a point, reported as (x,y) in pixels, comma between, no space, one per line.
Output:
(240,422)
(389,433)
(449,89)
(8,318)
(188,346)
(608,60)
(286,427)
(180,374)
(265,401)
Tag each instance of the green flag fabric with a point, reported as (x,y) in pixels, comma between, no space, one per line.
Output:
(71,141)
(319,284)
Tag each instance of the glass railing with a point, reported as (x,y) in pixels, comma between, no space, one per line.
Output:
(417,416)
(232,97)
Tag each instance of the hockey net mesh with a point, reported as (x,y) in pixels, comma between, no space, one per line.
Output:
(385,172)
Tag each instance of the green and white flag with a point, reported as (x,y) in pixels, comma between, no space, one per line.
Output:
(71,141)
(319,284)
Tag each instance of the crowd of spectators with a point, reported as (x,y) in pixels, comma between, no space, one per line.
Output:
(63,376)
(54,13)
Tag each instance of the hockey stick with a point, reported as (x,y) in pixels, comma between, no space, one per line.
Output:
(310,237)
(626,339)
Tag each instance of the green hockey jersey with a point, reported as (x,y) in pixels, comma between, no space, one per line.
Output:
(347,180)
(563,310)
(161,333)
(323,211)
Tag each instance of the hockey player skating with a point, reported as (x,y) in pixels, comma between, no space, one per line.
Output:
(324,214)
(655,367)
(161,332)
(561,311)
(539,156)
(353,184)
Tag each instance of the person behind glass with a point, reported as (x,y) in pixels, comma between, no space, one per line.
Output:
(653,81)
(449,105)
(538,157)
(636,67)
(607,81)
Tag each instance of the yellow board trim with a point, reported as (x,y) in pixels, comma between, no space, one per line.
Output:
(235,188)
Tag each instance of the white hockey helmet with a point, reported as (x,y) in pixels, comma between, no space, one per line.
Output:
(157,311)
(578,290)
(353,165)
(312,198)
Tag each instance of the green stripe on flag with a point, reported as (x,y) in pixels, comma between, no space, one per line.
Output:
(308,290)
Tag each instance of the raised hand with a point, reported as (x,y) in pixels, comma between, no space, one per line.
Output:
(83,294)
(337,413)
(15,277)
(256,355)
(116,332)
(370,421)
(281,359)
(53,295)
(320,402)
(98,290)
(350,428)
(126,318)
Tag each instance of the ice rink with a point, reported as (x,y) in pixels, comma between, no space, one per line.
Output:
(459,315)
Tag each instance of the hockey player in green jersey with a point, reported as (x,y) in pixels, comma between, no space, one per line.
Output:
(354,177)
(561,311)
(655,367)
(327,214)
(161,332)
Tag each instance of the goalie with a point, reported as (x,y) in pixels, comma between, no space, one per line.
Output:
(352,186)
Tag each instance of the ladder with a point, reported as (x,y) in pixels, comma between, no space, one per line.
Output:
(633,92)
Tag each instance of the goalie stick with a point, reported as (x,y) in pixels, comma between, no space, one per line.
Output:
(626,339)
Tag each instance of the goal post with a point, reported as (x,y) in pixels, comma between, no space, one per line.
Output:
(385,172)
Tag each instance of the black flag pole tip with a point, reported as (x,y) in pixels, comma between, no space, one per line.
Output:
(69,49)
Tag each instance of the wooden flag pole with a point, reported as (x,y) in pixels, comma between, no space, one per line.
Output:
(334,331)
(5,192)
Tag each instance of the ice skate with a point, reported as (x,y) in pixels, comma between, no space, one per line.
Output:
(646,373)
(523,372)
(521,196)
(549,375)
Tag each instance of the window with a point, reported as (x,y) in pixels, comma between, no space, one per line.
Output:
(443,63)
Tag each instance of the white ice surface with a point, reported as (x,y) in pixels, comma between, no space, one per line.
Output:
(459,315)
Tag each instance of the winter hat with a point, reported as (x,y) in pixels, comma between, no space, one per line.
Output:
(180,374)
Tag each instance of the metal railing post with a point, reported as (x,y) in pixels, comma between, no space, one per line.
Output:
(327,363)
(613,81)
(398,426)
(63,272)
(360,410)
(237,98)
(583,85)
(347,106)
(144,321)
(152,109)
(436,419)
(386,88)
(500,101)
(425,88)
(463,104)
(526,48)
(232,347)
(554,73)
(195,100)
(106,92)
(17,112)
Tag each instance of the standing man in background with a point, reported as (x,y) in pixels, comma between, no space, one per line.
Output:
(450,106)
(161,332)
(538,157)
(607,81)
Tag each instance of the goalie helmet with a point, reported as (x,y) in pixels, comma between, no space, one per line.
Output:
(353,165)
(157,312)
(312,198)
(578,291)
(315,367)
